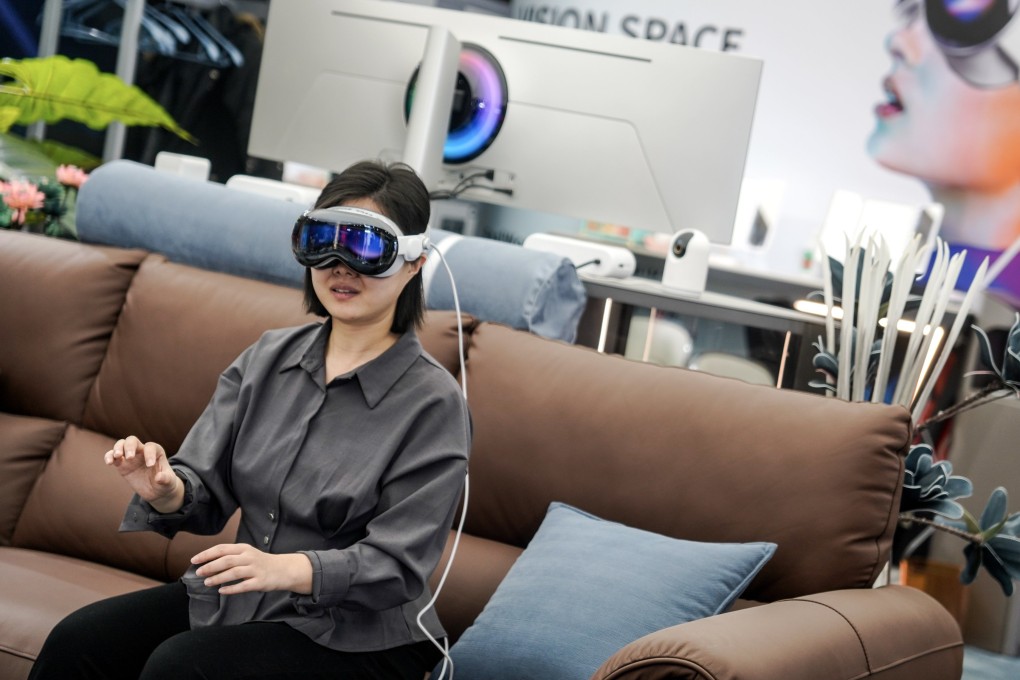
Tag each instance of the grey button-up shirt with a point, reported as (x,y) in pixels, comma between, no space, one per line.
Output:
(362,475)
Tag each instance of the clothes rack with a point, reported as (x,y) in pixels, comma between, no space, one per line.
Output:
(127,58)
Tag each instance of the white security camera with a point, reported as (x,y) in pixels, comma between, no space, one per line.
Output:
(686,266)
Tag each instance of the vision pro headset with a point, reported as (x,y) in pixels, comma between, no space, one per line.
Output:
(362,240)
(980,38)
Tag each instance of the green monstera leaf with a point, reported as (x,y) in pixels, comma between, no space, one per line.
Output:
(8,117)
(54,88)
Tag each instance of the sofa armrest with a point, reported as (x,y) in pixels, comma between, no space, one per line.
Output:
(893,632)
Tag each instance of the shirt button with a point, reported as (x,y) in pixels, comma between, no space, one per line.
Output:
(272,516)
(265,540)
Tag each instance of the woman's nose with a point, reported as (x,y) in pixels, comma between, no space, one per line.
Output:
(341,268)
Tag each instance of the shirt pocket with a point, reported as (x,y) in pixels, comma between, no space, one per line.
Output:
(204,602)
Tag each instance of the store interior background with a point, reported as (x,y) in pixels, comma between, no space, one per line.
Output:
(822,79)
(824,65)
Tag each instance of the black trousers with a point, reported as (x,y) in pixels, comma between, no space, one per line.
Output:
(145,635)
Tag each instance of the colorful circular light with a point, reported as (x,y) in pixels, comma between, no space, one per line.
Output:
(473,128)
(968,10)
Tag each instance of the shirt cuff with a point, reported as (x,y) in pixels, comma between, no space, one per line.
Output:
(141,516)
(331,579)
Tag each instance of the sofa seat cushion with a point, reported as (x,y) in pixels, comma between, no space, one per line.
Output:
(585,587)
(39,589)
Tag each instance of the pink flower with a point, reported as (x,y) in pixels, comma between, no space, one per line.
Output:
(71,176)
(21,197)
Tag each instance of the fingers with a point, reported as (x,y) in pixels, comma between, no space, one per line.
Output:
(131,447)
(152,453)
(241,568)
(233,564)
(218,551)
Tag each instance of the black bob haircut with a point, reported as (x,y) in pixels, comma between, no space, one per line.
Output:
(402,197)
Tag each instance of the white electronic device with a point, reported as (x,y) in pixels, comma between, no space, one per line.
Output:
(547,118)
(686,266)
(429,116)
(599,259)
(195,167)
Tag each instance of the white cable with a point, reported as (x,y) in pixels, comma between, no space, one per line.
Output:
(445,647)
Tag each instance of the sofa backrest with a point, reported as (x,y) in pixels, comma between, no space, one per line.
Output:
(121,342)
(179,328)
(99,343)
(59,303)
(220,228)
(685,454)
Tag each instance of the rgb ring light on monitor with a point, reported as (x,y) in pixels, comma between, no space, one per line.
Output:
(479,107)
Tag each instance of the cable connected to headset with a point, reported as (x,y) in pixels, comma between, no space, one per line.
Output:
(445,647)
(470,182)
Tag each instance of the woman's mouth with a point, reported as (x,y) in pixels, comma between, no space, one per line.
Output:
(893,105)
(343,292)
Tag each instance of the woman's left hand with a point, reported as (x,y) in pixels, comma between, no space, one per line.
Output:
(246,569)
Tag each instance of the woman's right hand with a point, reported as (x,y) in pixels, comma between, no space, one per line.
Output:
(147,471)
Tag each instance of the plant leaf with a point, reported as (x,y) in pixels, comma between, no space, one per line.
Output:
(995,511)
(1011,362)
(1007,548)
(972,552)
(8,116)
(994,566)
(985,345)
(971,523)
(62,154)
(19,157)
(54,88)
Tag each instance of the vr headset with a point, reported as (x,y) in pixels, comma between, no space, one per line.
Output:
(362,240)
(980,38)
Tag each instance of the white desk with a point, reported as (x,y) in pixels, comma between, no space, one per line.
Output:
(611,302)
(652,294)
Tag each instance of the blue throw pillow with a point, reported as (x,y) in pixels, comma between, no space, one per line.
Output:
(585,587)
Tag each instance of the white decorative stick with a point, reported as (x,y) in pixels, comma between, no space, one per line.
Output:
(830,330)
(976,286)
(847,324)
(945,291)
(905,392)
(903,279)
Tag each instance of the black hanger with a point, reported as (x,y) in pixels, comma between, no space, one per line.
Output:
(101,21)
(212,46)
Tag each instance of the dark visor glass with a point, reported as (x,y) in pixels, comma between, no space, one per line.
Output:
(363,248)
(966,24)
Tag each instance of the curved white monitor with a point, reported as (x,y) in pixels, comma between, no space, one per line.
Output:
(595,126)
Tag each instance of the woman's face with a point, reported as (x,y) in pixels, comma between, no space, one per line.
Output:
(356,300)
(936,126)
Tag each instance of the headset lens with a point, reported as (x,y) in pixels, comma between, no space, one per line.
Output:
(364,248)
(967,24)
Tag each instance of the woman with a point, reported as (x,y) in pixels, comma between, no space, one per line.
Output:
(344,445)
(961,140)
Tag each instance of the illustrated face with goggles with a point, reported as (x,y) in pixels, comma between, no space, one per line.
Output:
(362,240)
(940,127)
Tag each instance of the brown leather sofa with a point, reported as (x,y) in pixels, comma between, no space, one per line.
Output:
(99,342)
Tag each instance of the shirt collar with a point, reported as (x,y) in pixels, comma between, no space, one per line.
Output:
(375,378)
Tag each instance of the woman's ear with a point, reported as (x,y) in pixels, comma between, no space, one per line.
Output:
(418,264)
